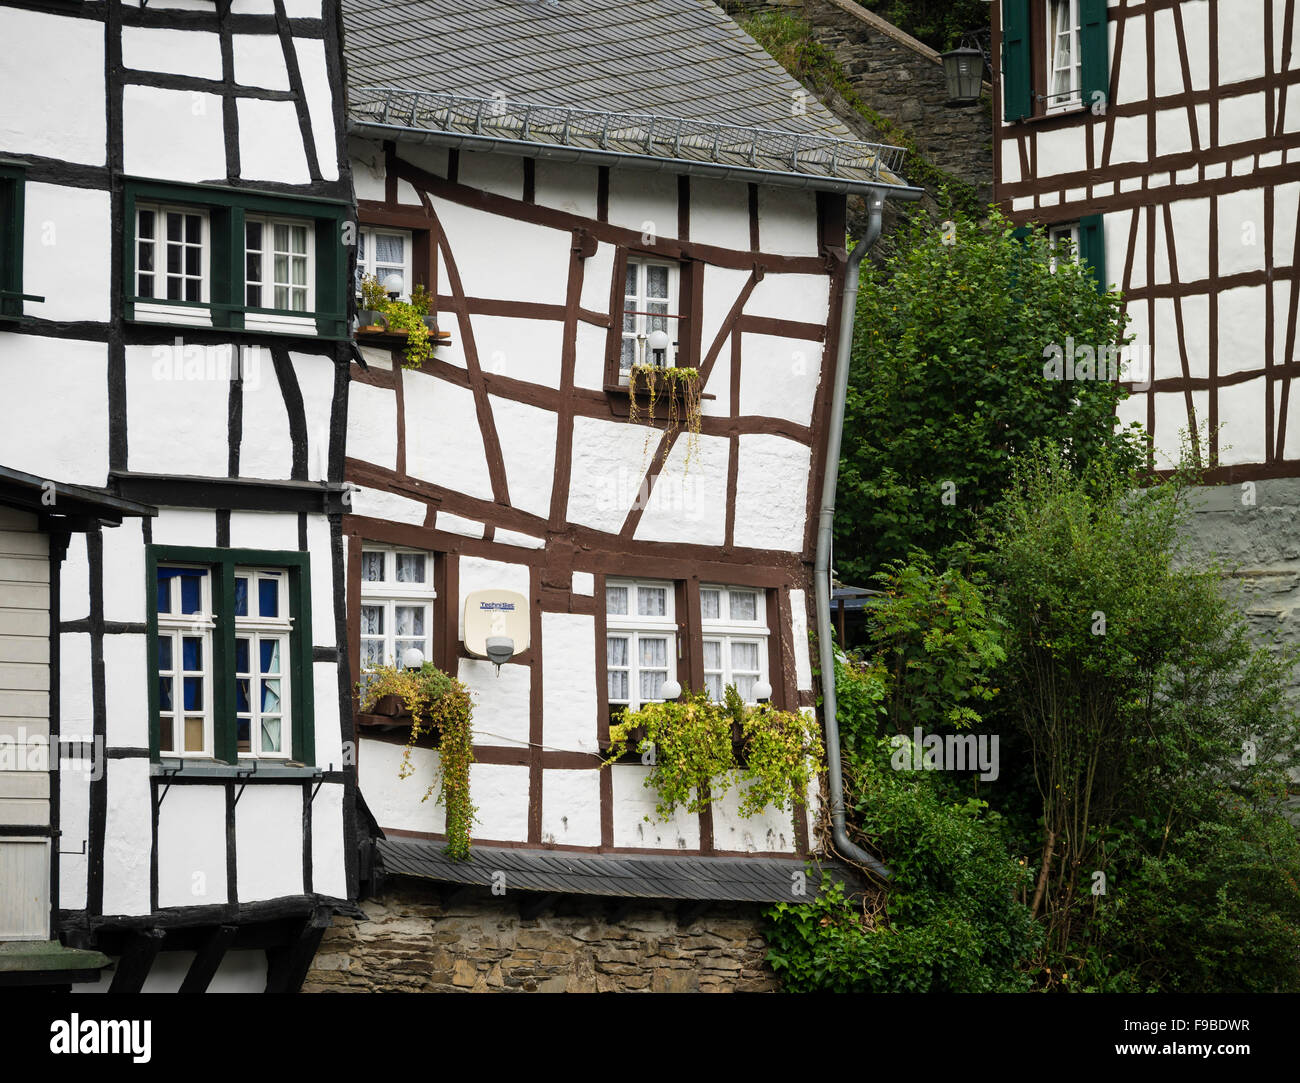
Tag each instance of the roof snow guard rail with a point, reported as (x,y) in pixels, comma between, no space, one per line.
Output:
(627,134)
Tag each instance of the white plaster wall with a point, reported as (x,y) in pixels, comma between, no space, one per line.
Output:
(126,688)
(779,376)
(501,701)
(1010,162)
(1241,41)
(184,526)
(427,398)
(499,173)
(720,213)
(689,502)
(265,446)
(1171,420)
(500,794)
(1062,151)
(771,830)
(1241,232)
(56,408)
(787,222)
(799,633)
(264,530)
(124,572)
(476,573)
(514,537)
(372,425)
(1242,320)
(74,581)
(378,504)
(327,732)
(66,251)
(1241,437)
(527,436)
(74,820)
(523,349)
(635,822)
(368,169)
(1285,212)
(195,53)
(1129,143)
(1133,63)
(321,546)
(175,426)
(174,135)
(268,842)
(786,297)
(192,846)
(589,354)
(1242,119)
(1191,222)
(1173,132)
(565,187)
(722,286)
(128,833)
(328,863)
(719,384)
(644,201)
(270,142)
(569,685)
(66,119)
(478,242)
(395,803)
(75,712)
(771,492)
(458,524)
(315,374)
(259,61)
(597,271)
(610,459)
(320,103)
(571,808)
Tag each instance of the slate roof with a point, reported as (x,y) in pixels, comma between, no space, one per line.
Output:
(643,876)
(680,78)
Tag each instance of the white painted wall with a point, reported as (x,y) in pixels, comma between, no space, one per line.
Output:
(269,842)
(569,684)
(192,846)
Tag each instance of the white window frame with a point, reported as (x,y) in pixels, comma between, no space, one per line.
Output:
(1061,101)
(633,626)
(726,630)
(178,626)
(256,629)
(368,265)
(390,594)
(1058,235)
(161,308)
(638,333)
(271,321)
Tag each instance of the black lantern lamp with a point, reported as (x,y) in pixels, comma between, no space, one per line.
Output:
(963,70)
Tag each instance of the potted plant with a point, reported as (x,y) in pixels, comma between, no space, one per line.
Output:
(441,703)
(374,301)
(399,318)
(421,301)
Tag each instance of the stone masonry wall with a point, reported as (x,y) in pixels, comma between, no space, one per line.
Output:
(412,942)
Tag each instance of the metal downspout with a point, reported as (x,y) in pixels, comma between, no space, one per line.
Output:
(822,570)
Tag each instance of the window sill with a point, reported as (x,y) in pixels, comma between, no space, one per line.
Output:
(1073,112)
(170,768)
(303,332)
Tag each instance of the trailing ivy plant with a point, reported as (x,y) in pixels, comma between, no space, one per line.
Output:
(682,386)
(435,700)
(405,317)
(689,747)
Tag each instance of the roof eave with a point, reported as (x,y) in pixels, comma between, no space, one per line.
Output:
(652,163)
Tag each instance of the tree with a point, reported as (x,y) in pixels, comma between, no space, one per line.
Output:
(948,384)
(941,24)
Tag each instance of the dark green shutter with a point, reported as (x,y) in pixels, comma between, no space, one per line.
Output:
(11,242)
(1017,93)
(1094,47)
(1092,247)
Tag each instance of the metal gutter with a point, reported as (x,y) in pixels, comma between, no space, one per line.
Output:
(822,570)
(593,156)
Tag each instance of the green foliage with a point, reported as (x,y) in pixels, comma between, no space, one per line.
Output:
(681,387)
(935,644)
(947,386)
(689,743)
(435,700)
(403,318)
(1137,688)
(789,40)
(941,24)
(953,921)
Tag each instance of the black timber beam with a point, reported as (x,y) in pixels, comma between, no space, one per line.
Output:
(287,965)
(208,959)
(137,959)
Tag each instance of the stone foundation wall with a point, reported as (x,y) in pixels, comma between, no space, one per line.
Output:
(412,942)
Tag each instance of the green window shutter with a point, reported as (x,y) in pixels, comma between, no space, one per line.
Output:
(1017,93)
(1092,247)
(1094,47)
(11,242)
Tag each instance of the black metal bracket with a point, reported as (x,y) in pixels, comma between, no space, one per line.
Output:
(169,772)
(243,772)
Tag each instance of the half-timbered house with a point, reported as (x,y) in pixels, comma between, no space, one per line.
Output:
(174,206)
(566,181)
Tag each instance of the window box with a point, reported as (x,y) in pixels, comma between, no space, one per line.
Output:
(231,659)
(204,256)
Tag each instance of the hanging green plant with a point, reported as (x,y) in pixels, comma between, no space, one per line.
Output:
(690,746)
(435,701)
(403,317)
(682,387)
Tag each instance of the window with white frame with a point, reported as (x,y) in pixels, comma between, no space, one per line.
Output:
(382,252)
(1064,57)
(397,598)
(1063,239)
(184,661)
(172,253)
(649,305)
(262,629)
(640,641)
(278,268)
(733,623)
